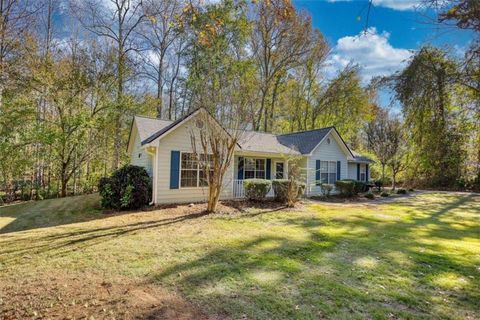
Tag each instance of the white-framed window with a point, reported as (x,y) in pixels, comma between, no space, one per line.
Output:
(192,174)
(254,168)
(328,172)
(279,171)
(363,172)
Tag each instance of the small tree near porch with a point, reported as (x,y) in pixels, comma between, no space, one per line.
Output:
(214,148)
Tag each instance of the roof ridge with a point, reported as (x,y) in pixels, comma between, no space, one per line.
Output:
(318,129)
(152,118)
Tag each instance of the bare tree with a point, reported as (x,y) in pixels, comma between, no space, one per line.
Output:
(214,148)
(160,31)
(382,136)
(16,17)
(117,21)
(175,62)
(281,40)
(397,148)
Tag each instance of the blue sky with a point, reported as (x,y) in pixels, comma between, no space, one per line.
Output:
(396,29)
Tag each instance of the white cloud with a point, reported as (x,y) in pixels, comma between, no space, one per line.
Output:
(392,4)
(397,4)
(371,51)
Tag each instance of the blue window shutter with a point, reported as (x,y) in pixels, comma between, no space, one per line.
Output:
(174,169)
(339,167)
(268,174)
(317,172)
(358,171)
(240,168)
(366,171)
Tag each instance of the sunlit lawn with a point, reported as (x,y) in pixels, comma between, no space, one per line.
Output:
(418,258)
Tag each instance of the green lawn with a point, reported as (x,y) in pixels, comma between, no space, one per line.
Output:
(412,259)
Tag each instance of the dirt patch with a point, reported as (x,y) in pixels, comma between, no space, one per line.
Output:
(225,207)
(90,296)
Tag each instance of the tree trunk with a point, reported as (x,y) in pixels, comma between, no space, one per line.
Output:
(172,86)
(120,81)
(262,108)
(394,179)
(63,180)
(383,172)
(160,87)
(213,197)
(272,104)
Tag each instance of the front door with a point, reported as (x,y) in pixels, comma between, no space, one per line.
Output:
(279,170)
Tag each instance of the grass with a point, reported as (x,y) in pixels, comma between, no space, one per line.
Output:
(417,258)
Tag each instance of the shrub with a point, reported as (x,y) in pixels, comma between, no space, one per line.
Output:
(385,194)
(411,190)
(401,191)
(256,189)
(370,196)
(129,187)
(346,187)
(280,187)
(360,186)
(326,189)
(287,190)
(379,184)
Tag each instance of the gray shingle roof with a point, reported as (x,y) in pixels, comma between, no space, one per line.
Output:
(149,126)
(263,142)
(305,141)
(359,157)
(292,143)
(166,128)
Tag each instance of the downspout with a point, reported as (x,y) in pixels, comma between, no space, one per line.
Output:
(154,172)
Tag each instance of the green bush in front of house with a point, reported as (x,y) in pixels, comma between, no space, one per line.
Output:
(346,187)
(326,189)
(360,186)
(129,187)
(256,189)
(350,187)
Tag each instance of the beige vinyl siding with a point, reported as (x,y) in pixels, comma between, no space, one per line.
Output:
(325,152)
(179,140)
(352,171)
(138,156)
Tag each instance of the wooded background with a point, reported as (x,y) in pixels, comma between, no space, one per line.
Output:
(67,100)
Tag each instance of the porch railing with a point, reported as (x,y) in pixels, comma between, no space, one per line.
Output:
(239,191)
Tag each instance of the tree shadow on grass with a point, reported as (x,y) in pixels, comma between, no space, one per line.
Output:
(65,242)
(63,211)
(373,268)
(49,213)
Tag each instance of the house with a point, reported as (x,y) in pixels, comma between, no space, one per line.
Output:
(164,149)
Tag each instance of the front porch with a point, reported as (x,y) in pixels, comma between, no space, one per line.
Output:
(260,166)
(239,190)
